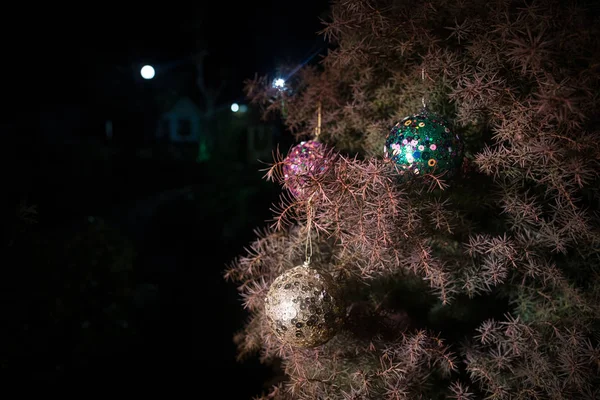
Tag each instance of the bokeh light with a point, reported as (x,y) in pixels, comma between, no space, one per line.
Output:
(147,72)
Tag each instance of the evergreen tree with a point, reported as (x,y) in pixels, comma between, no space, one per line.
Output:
(484,284)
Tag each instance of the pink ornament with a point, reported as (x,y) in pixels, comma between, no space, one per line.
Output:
(305,162)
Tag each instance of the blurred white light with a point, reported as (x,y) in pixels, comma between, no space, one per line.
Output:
(279,83)
(243,108)
(147,72)
(235,107)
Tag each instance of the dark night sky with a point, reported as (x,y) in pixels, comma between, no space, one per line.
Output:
(59,48)
(56,55)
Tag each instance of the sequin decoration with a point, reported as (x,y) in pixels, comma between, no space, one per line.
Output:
(303,307)
(422,144)
(303,163)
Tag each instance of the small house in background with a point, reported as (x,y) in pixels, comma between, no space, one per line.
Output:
(182,123)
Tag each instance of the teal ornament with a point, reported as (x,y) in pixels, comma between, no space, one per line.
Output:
(424,144)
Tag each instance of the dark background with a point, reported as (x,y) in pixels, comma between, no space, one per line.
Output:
(64,49)
(66,69)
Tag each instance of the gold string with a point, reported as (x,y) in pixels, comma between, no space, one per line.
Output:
(308,249)
(318,127)
(423,80)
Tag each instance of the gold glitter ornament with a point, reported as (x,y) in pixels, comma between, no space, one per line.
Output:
(304,307)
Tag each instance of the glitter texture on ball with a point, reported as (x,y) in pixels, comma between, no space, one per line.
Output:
(305,162)
(303,307)
(423,144)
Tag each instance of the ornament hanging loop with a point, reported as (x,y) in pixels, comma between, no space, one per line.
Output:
(318,127)
(308,249)
(423,80)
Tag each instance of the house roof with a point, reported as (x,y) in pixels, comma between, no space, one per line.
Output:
(184,106)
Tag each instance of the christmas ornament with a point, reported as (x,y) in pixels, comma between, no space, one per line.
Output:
(423,144)
(303,163)
(303,307)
